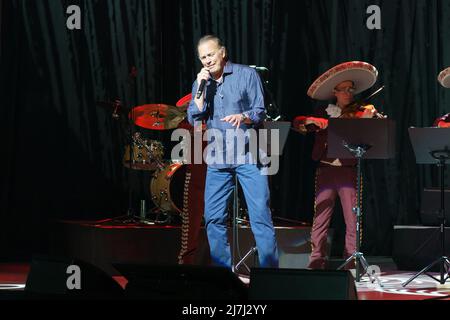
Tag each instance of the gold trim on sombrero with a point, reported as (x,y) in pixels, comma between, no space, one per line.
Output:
(363,74)
(444,78)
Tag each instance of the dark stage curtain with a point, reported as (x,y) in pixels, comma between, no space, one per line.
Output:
(62,153)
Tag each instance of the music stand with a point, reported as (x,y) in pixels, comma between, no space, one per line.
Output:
(360,139)
(432,146)
(280,131)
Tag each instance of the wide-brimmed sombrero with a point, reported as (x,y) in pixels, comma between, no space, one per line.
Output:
(363,75)
(444,78)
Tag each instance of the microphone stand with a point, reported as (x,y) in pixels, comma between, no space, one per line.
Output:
(272,106)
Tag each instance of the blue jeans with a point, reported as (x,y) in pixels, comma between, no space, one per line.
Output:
(219,187)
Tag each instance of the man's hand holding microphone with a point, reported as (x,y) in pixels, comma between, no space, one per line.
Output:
(202,79)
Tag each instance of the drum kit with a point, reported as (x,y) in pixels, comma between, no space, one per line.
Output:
(167,177)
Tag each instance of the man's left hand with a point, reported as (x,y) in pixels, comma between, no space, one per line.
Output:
(234,119)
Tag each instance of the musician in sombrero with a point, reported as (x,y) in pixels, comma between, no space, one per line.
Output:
(335,177)
(444,80)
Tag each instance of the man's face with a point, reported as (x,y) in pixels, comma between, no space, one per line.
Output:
(344,93)
(212,57)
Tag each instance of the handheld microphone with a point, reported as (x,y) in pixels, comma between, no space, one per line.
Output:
(201,87)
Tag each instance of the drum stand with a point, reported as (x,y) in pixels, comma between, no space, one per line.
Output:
(158,211)
(129,217)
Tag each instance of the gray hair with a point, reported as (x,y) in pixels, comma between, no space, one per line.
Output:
(216,39)
(211,37)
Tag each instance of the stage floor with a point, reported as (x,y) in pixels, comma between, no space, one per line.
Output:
(103,243)
(13,278)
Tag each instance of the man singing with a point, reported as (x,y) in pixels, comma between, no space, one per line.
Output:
(232,99)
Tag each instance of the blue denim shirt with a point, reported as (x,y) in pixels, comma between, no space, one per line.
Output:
(240,91)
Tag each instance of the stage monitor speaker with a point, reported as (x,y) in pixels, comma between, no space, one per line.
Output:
(298,284)
(415,247)
(68,277)
(181,282)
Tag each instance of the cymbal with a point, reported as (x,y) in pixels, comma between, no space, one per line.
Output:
(184,102)
(157,116)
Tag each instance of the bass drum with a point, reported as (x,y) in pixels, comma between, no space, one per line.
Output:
(167,188)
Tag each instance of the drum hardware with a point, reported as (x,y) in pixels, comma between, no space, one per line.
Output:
(143,214)
(115,106)
(148,154)
(166,189)
(184,101)
(157,116)
(118,109)
(158,212)
(141,154)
